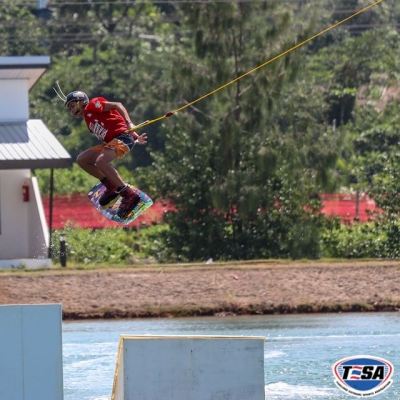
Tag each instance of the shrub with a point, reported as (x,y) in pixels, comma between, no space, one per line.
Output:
(93,246)
(112,245)
(356,241)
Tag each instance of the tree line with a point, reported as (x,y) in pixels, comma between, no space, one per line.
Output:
(244,166)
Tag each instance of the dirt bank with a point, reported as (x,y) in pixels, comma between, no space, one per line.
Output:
(214,289)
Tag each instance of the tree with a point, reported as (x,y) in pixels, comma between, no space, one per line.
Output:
(370,131)
(375,17)
(20,31)
(225,169)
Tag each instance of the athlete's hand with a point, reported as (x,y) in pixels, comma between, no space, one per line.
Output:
(142,139)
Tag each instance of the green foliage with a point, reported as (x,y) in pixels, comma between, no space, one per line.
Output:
(356,241)
(108,246)
(389,227)
(377,239)
(146,239)
(225,167)
(243,166)
(297,155)
(21,38)
(90,247)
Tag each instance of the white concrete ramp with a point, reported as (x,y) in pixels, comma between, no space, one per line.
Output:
(189,368)
(31,352)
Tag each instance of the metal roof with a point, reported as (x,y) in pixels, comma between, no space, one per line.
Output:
(30,145)
(30,68)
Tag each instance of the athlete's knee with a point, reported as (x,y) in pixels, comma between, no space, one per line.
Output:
(101,161)
(86,158)
(81,159)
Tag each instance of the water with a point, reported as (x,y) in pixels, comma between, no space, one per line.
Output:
(299,350)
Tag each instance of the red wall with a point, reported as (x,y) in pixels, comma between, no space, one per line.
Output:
(344,206)
(77,210)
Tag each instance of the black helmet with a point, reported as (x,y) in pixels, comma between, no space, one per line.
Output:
(76,96)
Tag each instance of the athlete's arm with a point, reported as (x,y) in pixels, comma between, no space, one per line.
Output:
(109,105)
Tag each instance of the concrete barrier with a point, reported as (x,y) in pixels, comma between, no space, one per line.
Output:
(31,352)
(189,368)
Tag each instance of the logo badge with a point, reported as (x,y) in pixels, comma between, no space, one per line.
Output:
(363,376)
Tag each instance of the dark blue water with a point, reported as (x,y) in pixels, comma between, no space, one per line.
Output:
(299,350)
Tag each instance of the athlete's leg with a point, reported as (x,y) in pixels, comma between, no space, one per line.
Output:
(103,161)
(117,148)
(87,161)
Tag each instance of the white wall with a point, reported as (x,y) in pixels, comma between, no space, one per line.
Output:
(14,100)
(14,229)
(31,352)
(190,368)
(24,236)
(23,228)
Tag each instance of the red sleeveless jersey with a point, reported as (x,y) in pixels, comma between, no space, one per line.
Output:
(106,125)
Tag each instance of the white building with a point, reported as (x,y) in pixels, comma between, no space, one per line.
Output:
(24,144)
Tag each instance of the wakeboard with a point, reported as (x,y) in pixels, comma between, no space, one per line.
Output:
(111,210)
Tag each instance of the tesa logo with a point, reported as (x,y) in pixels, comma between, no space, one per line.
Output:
(363,376)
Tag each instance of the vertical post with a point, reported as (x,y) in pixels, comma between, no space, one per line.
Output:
(63,250)
(139,247)
(357,214)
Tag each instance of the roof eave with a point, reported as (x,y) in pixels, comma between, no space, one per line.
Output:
(35,164)
(31,68)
